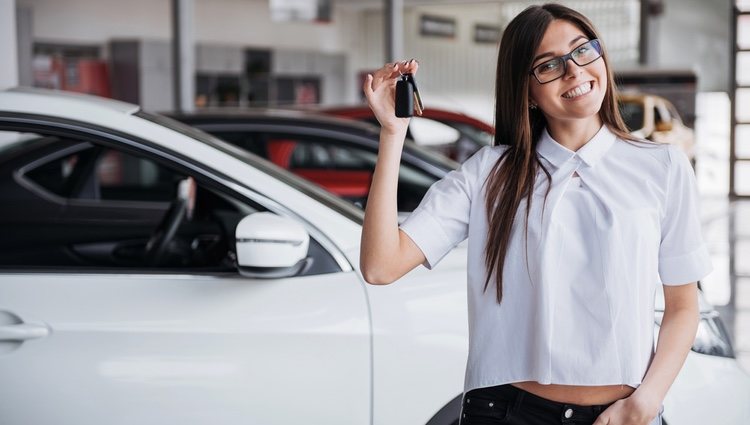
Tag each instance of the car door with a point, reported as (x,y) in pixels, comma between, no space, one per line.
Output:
(88,339)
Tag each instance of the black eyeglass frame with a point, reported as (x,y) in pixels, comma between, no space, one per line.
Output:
(595,44)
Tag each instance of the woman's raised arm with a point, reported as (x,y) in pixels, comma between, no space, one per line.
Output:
(386,253)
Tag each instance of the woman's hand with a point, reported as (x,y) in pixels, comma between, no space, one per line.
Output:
(633,410)
(380,90)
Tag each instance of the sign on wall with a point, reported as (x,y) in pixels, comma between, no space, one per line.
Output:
(437,26)
(487,33)
(301,10)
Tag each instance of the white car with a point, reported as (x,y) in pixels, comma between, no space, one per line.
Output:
(152,274)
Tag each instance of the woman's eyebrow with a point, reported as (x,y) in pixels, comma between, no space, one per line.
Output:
(576,39)
(552,54)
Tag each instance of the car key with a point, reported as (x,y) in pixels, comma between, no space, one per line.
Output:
(408,100)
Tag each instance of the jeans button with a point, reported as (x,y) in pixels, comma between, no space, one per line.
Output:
(568,413)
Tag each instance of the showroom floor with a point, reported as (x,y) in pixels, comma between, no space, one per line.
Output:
(726,225)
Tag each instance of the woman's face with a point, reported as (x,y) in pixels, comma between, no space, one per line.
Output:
(579,93)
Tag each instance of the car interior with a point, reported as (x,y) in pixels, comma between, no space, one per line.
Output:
(76,204)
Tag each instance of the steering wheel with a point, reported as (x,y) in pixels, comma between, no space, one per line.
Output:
(179,210)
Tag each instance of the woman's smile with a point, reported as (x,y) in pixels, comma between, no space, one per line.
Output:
(579,91)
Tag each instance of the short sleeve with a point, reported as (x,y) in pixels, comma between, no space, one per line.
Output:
(683,256)
(441,221)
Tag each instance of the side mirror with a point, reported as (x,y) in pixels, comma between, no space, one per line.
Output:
(271,246)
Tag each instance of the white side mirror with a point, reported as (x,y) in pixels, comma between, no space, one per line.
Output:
(271,246)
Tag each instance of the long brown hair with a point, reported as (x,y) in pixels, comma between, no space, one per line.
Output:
(513,176)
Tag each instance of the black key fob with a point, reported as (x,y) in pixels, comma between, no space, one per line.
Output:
(408,100)
(404,97)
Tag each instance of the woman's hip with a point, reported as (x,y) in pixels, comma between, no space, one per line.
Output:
(507,404)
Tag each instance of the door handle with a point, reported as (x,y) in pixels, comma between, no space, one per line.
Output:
(22,332)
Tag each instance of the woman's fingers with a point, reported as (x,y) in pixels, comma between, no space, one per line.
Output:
(387,72)
(392,70)
(367,88)
(408,67)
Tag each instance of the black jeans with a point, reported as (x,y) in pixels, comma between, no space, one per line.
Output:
(506,404)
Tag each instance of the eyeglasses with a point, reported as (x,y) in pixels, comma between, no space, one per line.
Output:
(557,67)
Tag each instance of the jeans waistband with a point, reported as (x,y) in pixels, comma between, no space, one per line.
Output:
(521,399)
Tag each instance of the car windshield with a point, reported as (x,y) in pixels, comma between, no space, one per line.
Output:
(335,203)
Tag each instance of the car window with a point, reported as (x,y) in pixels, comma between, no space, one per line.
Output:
(128,202)
(103,174)
(257,161)
(320,155)
(12,139)
(341,167)
(632,114)
(56,176)
(122,176)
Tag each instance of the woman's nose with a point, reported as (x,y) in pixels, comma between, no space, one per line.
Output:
(572,69)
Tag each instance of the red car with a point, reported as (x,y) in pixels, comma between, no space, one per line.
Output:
(453,134)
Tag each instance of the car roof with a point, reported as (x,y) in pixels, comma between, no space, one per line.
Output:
(280,116)
(294,118)
(364,111)
(49,102)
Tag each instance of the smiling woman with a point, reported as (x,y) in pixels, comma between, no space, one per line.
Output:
(582,93)
(571,220)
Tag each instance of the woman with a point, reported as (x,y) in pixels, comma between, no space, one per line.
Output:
(570,220)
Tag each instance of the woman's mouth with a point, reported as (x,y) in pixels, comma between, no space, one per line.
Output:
(578,91)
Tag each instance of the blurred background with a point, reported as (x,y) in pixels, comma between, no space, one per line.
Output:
(684,65)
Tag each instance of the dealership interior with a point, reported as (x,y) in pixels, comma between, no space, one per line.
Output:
(682,68)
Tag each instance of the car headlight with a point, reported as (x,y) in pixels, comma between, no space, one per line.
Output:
(712,337)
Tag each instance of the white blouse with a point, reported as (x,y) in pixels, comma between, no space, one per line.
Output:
(582,311)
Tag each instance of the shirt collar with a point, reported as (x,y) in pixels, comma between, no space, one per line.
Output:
(590,153)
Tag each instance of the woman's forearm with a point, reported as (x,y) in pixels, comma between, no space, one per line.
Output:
(676,337)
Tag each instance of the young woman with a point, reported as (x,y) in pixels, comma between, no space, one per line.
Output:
(572,223)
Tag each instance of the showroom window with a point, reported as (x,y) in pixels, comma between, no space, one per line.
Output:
(739,154)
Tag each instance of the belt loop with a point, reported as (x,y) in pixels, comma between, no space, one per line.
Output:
(519,398)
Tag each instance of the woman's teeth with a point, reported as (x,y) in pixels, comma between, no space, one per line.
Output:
(578,91)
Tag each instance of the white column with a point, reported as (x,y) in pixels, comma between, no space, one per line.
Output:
(394,30)
(8,48)
(25,45)
(183,54)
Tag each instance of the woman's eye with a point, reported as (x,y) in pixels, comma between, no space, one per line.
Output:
(548,67)
(582,50)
